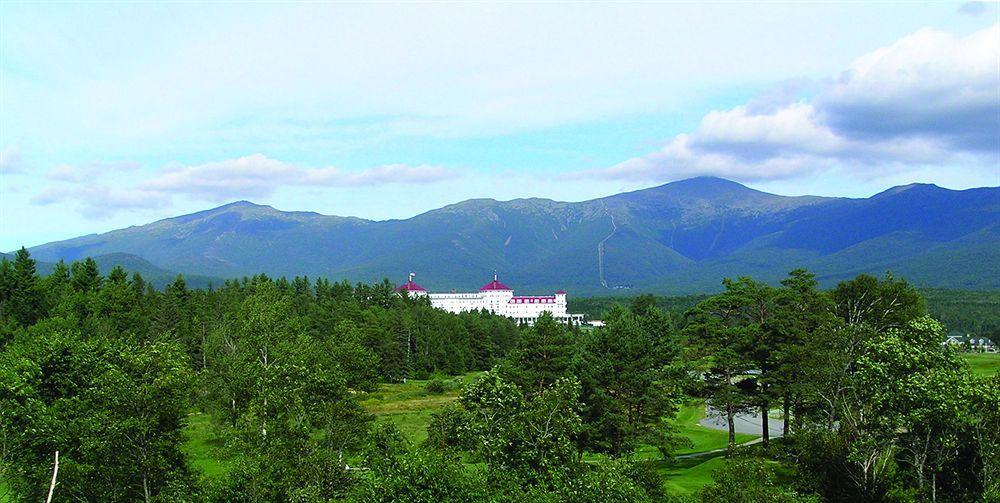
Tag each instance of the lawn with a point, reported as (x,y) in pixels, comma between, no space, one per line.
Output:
(703,439)
(689,475)
(983,364)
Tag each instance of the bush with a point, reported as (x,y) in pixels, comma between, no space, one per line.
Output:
(435,386)
(445,429)
(750,480)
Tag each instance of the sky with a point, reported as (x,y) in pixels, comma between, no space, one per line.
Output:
(119,114)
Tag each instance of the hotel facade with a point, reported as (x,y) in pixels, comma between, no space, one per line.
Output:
(499,299)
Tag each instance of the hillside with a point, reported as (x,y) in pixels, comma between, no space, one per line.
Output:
(678,238)
(157,276)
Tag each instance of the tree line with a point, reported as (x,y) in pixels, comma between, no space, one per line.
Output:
(105,370)
(967,312)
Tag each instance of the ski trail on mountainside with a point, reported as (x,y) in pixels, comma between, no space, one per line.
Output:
(600,246)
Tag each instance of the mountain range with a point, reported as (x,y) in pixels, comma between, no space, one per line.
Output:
(678,238)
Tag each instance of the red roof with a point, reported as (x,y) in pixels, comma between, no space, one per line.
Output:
(494,285)
(561,292)
(410,286)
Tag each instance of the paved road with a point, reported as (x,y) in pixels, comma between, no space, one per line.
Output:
(743,423)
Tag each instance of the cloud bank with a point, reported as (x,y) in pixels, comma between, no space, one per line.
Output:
(252,176)
(257,175)
(930,99)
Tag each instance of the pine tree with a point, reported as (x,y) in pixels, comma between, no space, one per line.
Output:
(25,304)
(543,355)
(86,275)
(717,340)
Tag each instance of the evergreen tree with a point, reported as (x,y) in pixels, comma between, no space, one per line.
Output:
(717,341)
(86,275)
(544,354)
(6,289)
(25,303)
(630,383)
(802,313)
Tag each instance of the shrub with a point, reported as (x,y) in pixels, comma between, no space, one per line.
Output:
(435,386)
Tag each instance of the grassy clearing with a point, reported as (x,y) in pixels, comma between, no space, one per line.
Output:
(409,406)
(689,475)
(983,364)
(202,447)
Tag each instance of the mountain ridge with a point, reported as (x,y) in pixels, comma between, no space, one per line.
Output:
(680,237)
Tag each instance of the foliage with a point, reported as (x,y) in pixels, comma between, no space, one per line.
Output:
(631,381)
(113,411)
(435,386)
(543,355)
(529,436)
(717,340)
(105,368)
(750,480)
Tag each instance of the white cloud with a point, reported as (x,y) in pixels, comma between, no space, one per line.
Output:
(99,201)
(257,175)
(928,99)
(92,171)
(252,176)
(10,161)
(928,84)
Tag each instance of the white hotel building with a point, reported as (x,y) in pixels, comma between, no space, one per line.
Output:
(497,298)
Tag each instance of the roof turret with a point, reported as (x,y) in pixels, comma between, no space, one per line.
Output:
(494,285)
(410,286)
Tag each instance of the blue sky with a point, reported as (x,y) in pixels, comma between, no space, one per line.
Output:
(116,114)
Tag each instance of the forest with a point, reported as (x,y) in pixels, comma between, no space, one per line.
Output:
(973,312)
(102,379)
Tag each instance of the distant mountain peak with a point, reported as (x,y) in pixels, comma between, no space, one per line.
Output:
(702,188)
(243,203)
(899,189)
(707,180)
(707,185)
(241,207)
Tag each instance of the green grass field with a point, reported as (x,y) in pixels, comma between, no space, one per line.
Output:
(409,406)
(201,446)
(689,475)
(5,493)
(703,439)
(983,364)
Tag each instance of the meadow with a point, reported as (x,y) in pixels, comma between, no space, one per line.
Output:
(983,364)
